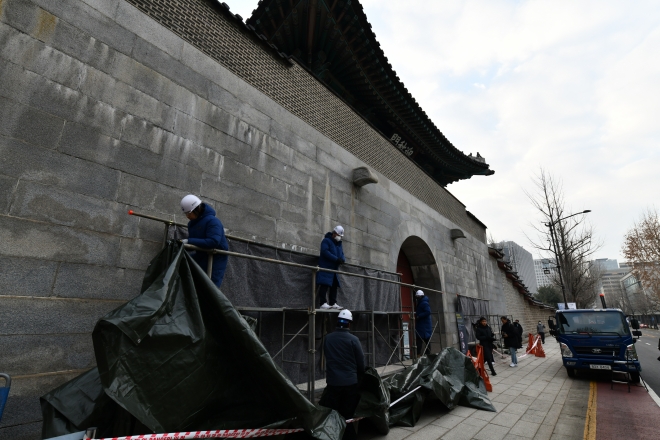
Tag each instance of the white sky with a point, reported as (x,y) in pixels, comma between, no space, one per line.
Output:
(572,86)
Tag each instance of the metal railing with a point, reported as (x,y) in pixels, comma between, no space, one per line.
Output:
(311,310)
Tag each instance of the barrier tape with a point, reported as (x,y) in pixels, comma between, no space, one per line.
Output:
(536,341)
(218,433)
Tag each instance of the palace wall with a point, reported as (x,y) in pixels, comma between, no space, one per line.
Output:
(103,109)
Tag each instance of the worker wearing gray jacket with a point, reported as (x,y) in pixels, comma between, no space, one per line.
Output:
(540,329)
(344,367)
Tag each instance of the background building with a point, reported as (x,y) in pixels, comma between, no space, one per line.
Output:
(521,261)
(606,264)
(542,279)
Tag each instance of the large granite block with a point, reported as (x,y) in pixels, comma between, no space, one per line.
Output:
(50,316)
(137,254)
(97,282)
(30,239)
(26,276)
(40,58)
(92,22)
(54,205)
(237,195)
(33,354)
(29,124)
(7,187)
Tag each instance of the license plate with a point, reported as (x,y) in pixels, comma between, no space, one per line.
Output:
(600,367)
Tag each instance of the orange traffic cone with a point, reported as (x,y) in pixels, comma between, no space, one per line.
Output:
(539,352)
(481,369)
(530,343)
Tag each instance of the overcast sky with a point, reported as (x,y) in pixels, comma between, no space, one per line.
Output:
(571,86)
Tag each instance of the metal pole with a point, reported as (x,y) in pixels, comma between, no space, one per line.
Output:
(209,267)
(304,266)
(373,340)
(312,340)
(561,280)
(413,340)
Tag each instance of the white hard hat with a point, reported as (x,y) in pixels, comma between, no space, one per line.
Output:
(339,230)
(419,293)
(346,314)
(189,203)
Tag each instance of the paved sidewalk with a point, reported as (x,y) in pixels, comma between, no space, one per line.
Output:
(534,400)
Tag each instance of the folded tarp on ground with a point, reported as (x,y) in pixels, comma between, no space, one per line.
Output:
(449,376)
(179,357)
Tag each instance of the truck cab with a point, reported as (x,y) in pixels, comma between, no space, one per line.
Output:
(593,339)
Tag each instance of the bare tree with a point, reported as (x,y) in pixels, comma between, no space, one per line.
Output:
(641,247)
(572,246)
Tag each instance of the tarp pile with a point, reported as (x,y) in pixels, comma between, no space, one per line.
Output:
(179,357)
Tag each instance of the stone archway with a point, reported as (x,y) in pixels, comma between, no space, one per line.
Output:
(418,265)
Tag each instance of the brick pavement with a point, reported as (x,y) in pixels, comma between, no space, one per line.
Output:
(535,400)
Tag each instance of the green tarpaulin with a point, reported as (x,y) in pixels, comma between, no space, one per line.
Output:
(179,357)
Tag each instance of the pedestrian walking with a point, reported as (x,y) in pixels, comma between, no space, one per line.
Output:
(540,329)
(332,255)
(344,368)
(511,339)
(486,338)
(519,329)
(205,230)
(423,324)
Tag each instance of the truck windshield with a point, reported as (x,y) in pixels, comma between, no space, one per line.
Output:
(593,323)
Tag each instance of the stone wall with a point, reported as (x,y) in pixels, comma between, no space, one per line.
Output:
(520,308)
(103,110)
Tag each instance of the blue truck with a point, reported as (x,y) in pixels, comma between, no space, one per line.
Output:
(596,339)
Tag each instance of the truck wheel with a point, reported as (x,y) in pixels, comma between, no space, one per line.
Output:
(634,377)
(570,372)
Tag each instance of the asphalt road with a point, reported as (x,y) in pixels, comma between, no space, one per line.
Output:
(647,351)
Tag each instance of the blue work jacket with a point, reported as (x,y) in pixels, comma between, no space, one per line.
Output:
(331,254)
(207,232)
(423,318)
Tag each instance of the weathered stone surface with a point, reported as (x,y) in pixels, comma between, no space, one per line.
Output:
(136,253)
(33,354)
(7,187)
(25,161)
(30,239)
(29,125)
(58,206)
(97,282)
(26,276)
(48,316)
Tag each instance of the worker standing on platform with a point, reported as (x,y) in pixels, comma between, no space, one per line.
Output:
(205,231)
(344,368)
(332,255)
(486,338)
(423,325)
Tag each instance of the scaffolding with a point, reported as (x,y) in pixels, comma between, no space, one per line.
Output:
(308,330)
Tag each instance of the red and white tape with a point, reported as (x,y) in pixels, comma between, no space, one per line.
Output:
(217,433)
(536,341)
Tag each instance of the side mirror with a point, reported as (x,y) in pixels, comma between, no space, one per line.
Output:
(637,333)
(634,323)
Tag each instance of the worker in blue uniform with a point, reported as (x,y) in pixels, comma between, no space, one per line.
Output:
(423,325)
(332,255)
(205,230)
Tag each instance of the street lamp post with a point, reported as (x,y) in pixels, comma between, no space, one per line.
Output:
(555,244)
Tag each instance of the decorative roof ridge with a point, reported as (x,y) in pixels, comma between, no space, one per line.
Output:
(454,154)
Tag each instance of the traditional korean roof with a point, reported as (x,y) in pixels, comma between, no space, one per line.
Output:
(334,40)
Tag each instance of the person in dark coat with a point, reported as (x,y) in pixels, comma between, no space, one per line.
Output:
(423,324)
(344,368)
(205,231)
(332,255)
(486,338)
(511,339)
(540,329)
(519,329)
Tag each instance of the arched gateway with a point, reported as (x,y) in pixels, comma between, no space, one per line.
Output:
(417,265)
